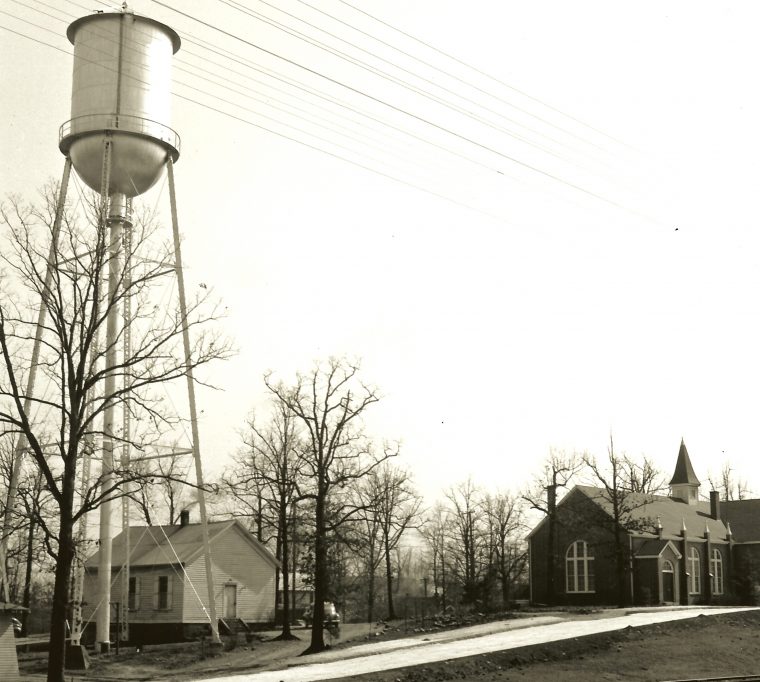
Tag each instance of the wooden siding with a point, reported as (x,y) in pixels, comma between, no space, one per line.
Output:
(234,560)
(147,611)
(8,660)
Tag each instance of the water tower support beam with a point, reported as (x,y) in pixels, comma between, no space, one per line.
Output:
(191,398)
(123,635)
(103,613)
(18,453)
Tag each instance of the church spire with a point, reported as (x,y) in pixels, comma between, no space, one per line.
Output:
(684,485)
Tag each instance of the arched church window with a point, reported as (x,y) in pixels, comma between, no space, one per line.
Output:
(579,568)
(694,570)
(716,571)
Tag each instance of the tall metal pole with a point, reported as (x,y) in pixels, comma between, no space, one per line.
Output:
(114,219)
(191,399)
(18,453)
(126,433)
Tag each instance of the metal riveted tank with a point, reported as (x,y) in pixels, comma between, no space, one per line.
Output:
(121,89)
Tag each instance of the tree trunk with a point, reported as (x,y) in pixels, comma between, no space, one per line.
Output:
(259,522)
(28,576)
(371,596)
(389,579)
(278,556)
(295,563)
(505,583)
(620,568)
(320,579)
(286,634)
(443,582)
(551,508)
(56,656)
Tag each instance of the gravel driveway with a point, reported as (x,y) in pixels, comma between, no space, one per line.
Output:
(478,639)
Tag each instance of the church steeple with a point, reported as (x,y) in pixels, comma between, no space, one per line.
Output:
(684,485)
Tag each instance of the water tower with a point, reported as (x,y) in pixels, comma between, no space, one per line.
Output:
(118,140)
(121,92)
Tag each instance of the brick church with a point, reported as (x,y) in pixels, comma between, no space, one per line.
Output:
(673,549)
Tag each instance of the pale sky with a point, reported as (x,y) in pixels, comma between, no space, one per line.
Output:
(536,295)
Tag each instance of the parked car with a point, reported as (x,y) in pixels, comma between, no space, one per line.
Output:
(331,619)
(17,626)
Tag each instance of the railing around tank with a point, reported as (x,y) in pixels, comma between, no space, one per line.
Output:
(81,125)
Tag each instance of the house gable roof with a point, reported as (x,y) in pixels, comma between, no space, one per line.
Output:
(167,545)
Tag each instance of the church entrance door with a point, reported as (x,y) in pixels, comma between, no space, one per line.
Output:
(668,582)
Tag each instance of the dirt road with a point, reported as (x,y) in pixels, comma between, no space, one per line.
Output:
(459,643)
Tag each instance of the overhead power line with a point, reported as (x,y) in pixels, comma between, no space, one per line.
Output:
(353,151)
(343,133)
(486,75)
(449,74)
(386,123)
(308,145)
(401,110)
(405,84)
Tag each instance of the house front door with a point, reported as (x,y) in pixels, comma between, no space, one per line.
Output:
(668,583)
(230,601)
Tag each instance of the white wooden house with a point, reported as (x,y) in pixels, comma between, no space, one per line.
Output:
(167,580)
(8,660)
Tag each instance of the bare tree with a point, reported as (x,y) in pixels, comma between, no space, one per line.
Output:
(328,403)
(622,503)
(642,477)
(369,545)
(268,473)
(163,485)
(248,496)
(728,484)
(67,281)
(559,469)
(398,507)
(504,514)
(465,518)
(435,530)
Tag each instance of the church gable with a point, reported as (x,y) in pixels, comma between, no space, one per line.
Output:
(678,549)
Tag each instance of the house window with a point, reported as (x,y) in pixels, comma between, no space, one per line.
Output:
(162,592)
(133,602)
(579,568)
(716,571)
(695,582)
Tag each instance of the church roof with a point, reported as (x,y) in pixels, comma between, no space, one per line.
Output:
(655,547)
(744,517)
(672,513)
(684,472)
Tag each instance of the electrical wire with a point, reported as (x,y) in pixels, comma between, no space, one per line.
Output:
(553,176)
(421,119)
(308,145)
(364,166)
(486,75)
(263,101)
(408,86)
(451,75)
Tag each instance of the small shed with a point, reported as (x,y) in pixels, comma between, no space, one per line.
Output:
(167,581)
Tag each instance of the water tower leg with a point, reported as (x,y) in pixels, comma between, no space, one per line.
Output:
(103,613)
(123,635)
(191,398)
(18,453)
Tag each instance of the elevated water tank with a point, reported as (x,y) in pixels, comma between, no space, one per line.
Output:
(121,88)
